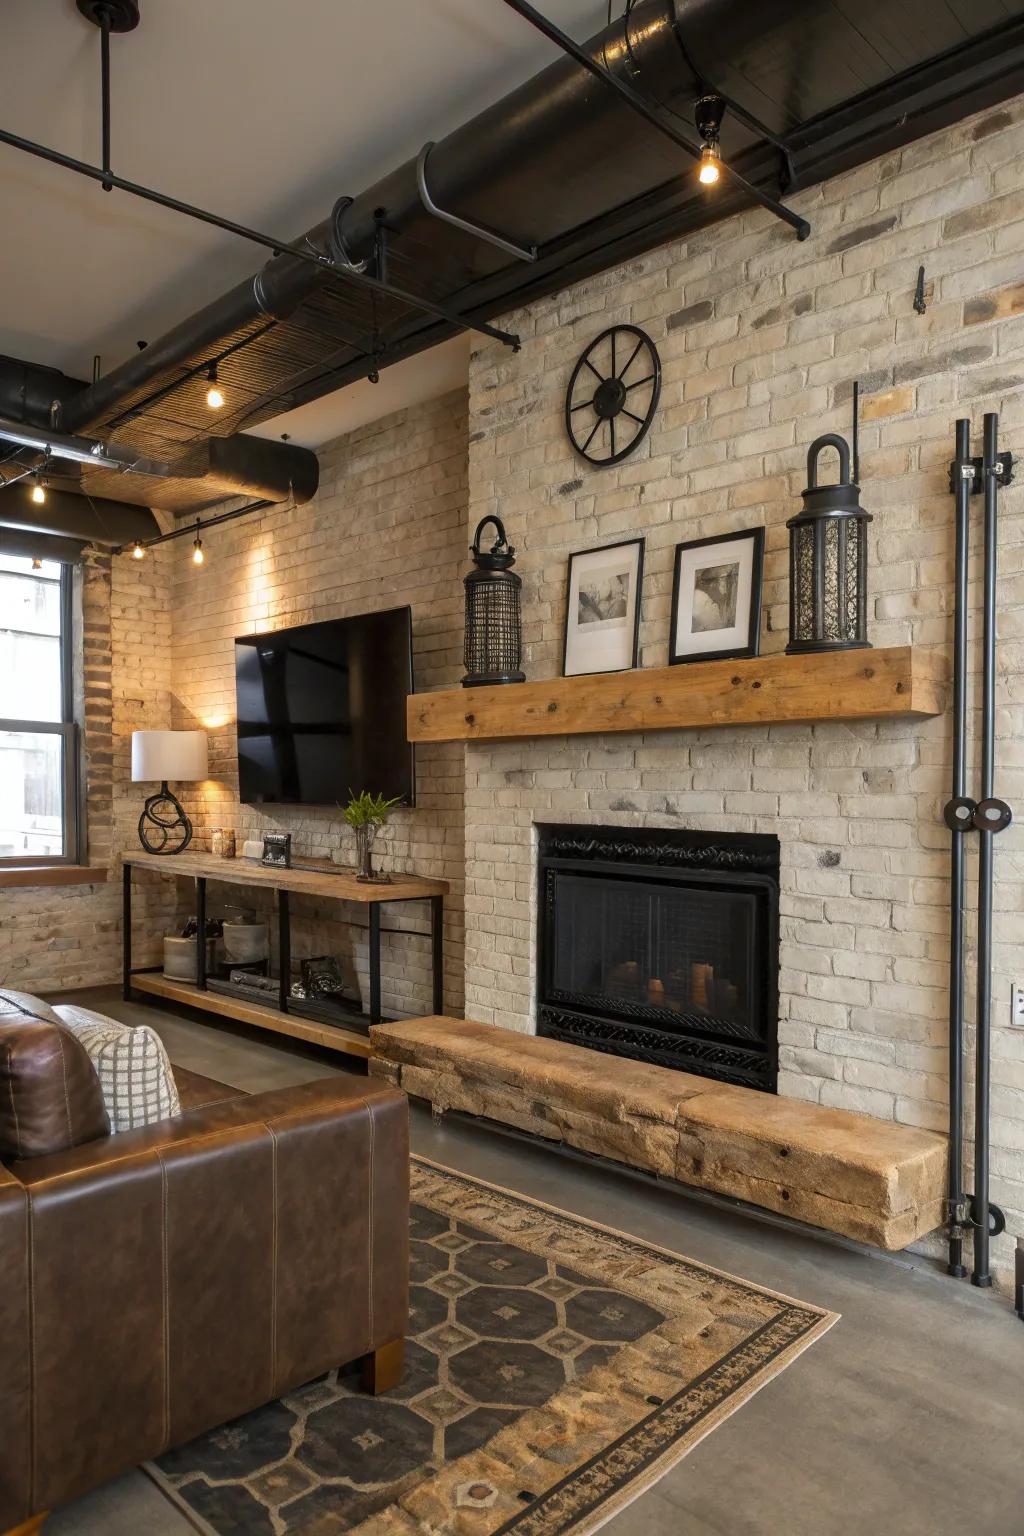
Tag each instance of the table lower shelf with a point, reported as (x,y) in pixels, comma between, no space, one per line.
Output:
(331,1037)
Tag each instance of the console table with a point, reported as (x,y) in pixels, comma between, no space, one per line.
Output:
(285,1016)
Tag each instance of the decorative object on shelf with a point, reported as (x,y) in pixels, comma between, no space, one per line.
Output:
(828,556)
(321,977)
(222,842)
(277,850)
(494,639)
(180,949)
(716,597)
(252,848)
(160,756)
(366,814)
(246,940)
(602,614)
(608,418)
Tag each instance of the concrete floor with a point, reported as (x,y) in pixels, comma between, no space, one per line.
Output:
(906,1417)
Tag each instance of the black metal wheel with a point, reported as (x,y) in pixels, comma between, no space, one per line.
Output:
(613,395)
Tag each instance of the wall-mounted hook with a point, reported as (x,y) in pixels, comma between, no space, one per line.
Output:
(919,303)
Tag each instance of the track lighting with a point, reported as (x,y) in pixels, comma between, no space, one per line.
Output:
(708,112)
(39,491)
(197,549)
(138,553)
(214,395)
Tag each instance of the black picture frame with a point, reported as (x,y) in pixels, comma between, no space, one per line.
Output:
(600,550)
(752,627)
(277,850)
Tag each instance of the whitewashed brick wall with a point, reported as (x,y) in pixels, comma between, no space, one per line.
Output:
(386,528)
(761,338)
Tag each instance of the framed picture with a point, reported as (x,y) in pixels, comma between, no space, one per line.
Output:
(277,850)
(602,611)
(716,597)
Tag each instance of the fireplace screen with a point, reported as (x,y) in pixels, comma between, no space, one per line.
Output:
(662,947)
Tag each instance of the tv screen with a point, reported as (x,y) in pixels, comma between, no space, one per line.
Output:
(321,711)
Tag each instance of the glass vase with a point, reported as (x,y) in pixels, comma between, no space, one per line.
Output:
(366,836)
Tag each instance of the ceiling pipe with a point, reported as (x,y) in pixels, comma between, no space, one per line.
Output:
(560,131)
(68,514)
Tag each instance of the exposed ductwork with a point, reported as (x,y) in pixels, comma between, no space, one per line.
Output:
(566,172)
(68,514)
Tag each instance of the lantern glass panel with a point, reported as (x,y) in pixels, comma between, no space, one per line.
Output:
(852,593)
(830,618)
(802,595)
(493,645)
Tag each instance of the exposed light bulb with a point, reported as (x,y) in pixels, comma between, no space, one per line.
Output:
(138,553)
(38,493)
(710,170)
(37,565)
(197,551)
(214,395)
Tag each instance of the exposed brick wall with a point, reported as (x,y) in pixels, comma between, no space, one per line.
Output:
(760,339)
(386,528)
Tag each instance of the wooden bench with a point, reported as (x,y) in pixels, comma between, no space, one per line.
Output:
(867,1179)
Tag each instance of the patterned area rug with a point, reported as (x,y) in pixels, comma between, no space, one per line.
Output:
(555,1369)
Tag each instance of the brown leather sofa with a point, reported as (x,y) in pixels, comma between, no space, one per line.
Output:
(158,1283)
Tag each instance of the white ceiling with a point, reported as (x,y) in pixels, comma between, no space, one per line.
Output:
(265,111)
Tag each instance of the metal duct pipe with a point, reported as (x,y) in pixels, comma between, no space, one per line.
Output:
(80,450)
(40,546)
(28,391)
(551,155)
(70,515)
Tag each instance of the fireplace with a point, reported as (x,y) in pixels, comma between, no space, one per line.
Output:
(662,946)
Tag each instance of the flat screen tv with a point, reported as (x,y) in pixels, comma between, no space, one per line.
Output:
(321,711)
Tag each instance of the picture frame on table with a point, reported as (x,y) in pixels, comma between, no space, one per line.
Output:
(277,850)
(716,597)
(604,590)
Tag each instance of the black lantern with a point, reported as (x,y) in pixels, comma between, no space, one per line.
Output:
(494,640)
(828,560)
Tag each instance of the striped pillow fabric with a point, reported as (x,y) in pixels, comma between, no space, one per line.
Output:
(132,1065)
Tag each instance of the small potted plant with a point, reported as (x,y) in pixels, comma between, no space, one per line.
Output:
(366,814)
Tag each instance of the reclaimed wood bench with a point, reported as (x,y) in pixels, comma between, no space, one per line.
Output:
(867,1179)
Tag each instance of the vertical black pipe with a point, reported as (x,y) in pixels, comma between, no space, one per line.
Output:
(963,480)
(982,1084)
(126,931)
(374,962)
(284,950)
(201,932)
(104,16)
(437,953)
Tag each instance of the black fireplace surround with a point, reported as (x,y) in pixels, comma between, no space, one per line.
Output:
(662,945)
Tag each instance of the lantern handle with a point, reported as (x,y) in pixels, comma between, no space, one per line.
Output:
(829,440)
(501,539)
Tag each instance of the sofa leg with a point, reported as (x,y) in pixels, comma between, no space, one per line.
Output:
(382,1369)
(30,1527)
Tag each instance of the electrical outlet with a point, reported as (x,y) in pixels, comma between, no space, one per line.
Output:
(1017,1003)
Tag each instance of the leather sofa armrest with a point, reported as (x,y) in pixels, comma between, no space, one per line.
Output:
(15,1369)
(185,1273)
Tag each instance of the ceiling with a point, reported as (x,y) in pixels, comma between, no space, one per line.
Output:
(259,111)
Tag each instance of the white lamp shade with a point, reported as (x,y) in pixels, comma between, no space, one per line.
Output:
(160,755)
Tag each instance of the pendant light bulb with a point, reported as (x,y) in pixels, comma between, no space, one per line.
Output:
(197,549)
(710,169)
(38,492)
(37,564)
(138,553)
(214,395)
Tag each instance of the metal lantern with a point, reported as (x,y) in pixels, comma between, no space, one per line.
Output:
(828,560)
(494,640)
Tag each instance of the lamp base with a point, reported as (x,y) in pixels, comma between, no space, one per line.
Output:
(163,825)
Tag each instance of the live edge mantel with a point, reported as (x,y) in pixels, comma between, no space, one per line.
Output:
(757,690)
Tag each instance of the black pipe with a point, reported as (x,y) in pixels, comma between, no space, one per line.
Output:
(652,113)
(199,526)
(958,819)
(69,514)
(104,21)
(981,1274)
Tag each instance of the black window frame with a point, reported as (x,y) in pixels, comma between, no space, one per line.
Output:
(67,729)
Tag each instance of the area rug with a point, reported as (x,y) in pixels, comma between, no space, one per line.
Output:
(555,1369)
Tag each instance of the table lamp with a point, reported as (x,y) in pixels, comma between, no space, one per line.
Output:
(159,756)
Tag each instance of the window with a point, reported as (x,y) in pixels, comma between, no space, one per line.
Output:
(38,737)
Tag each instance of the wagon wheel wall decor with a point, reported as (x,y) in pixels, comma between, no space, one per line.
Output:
(613,395)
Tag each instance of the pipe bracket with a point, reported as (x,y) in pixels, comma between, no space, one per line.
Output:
(958,813)
(992,815)
(996,1218)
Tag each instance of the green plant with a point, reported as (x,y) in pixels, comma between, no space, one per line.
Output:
(368,810)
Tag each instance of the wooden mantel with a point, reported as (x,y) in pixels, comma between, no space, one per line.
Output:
(759,690)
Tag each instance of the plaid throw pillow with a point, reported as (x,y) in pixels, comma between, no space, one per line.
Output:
(132,1066)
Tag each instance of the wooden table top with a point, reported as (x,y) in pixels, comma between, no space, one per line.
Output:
(306,876)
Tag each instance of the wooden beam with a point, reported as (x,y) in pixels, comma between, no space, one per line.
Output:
(762,690)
